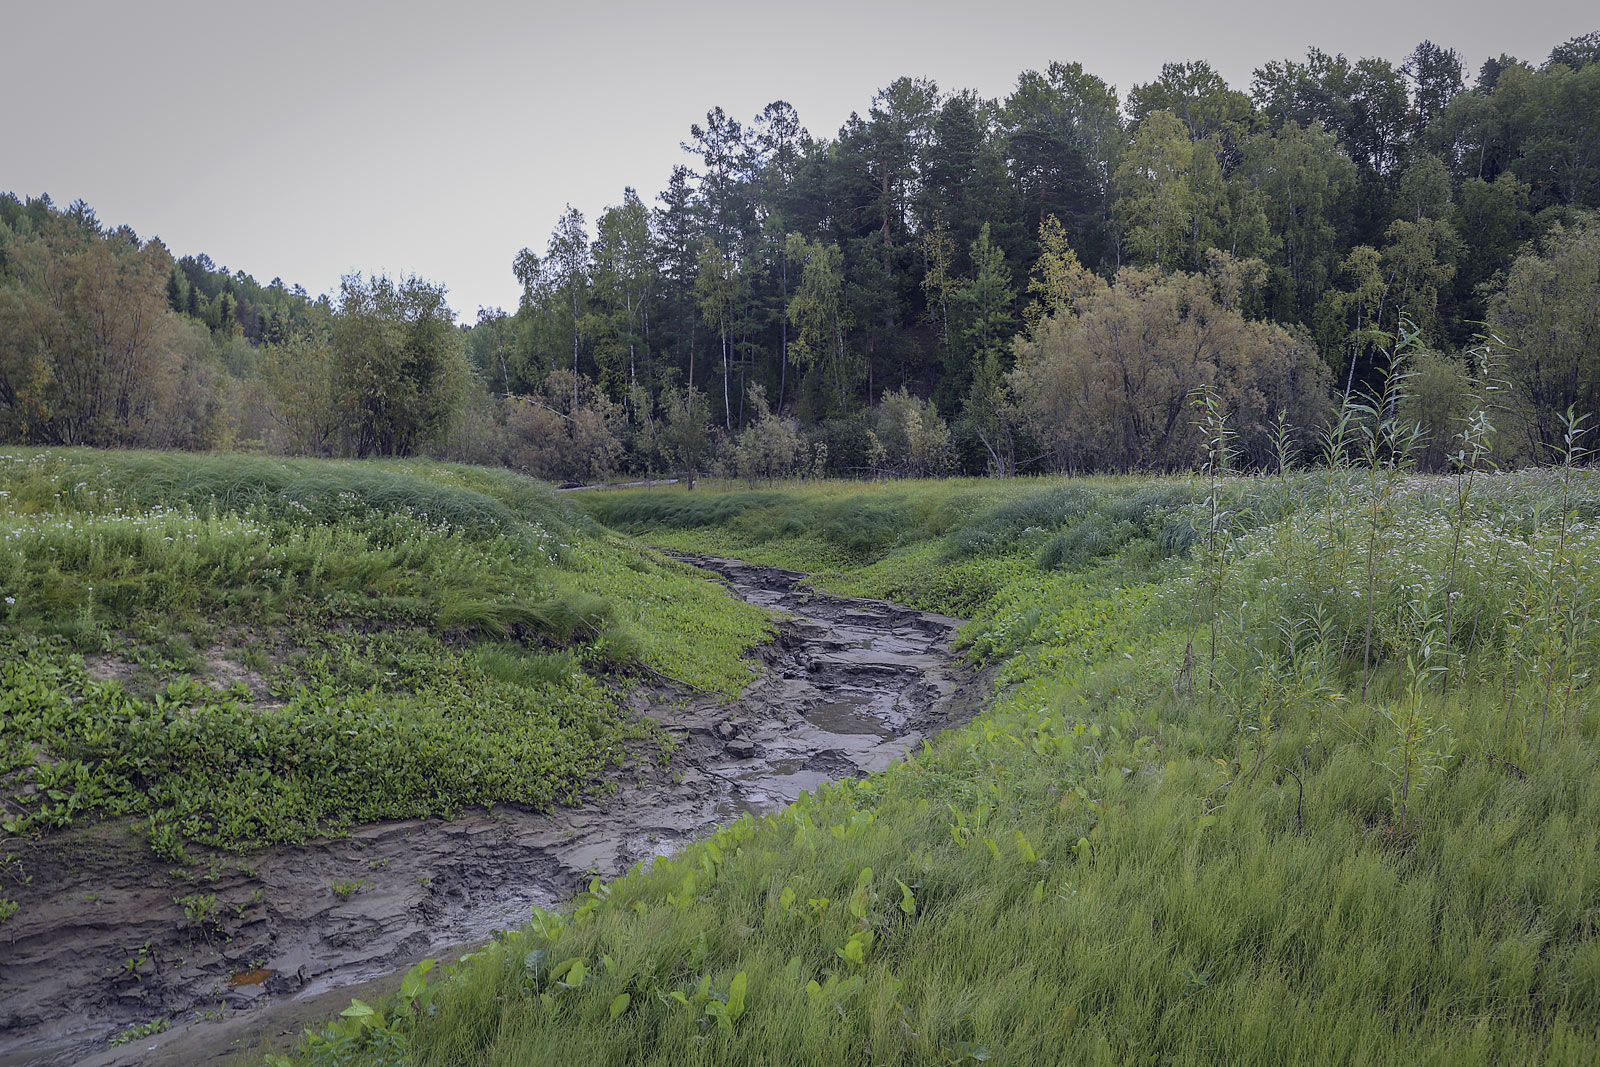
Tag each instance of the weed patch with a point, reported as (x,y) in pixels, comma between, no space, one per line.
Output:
(419,638)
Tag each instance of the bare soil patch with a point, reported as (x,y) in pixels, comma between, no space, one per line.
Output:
(109,937)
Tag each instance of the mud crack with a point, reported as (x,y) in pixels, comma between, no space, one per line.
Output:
(103,942)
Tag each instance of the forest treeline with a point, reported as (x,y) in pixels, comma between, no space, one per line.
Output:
(950,283)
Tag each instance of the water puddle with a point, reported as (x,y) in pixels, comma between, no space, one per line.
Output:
(258,976)
(848,717)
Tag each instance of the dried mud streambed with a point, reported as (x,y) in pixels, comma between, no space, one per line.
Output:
(102,944)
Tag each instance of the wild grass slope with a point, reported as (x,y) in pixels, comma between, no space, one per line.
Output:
(1240,804)
(242,651)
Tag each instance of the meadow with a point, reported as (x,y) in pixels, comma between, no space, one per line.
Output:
(1292,768)
(241,652)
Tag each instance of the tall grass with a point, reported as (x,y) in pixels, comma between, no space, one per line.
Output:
(1355,865)
(474,500)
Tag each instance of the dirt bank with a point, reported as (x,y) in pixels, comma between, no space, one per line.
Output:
(108,938)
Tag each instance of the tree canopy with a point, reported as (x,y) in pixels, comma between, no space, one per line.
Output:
(1332,199)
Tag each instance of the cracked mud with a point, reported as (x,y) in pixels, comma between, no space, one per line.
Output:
(101,943)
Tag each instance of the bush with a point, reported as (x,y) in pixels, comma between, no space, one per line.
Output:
(1438,399)
(844,445)
(915,440)
(769,447)
(568,431)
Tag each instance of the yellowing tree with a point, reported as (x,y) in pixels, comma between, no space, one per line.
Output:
(1110,385)
(1155,200)
(1059,281)
(88,346)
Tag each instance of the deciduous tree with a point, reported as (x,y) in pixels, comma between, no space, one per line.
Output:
(1549,316)
(397,366)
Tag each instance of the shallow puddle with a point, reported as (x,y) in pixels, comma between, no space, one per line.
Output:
(847,717)
(258,976)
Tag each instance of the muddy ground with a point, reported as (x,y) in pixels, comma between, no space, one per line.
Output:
(104,942)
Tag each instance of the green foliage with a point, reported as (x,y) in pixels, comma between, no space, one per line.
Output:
(397,358)
(1155,200)
(140,1030)
(363,1029)
(1546,315)
(838,273)
(298,647)
(1103,866)
(198,908)
(820,318)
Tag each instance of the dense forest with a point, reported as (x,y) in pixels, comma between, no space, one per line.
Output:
(950,283)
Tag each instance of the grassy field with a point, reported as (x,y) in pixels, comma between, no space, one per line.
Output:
(1280,770)
(241,652)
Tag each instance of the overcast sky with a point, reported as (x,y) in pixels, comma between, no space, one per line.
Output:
(308,139)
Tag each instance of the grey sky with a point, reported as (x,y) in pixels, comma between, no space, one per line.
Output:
(305,140)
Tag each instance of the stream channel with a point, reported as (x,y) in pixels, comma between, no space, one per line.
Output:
(100,944)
